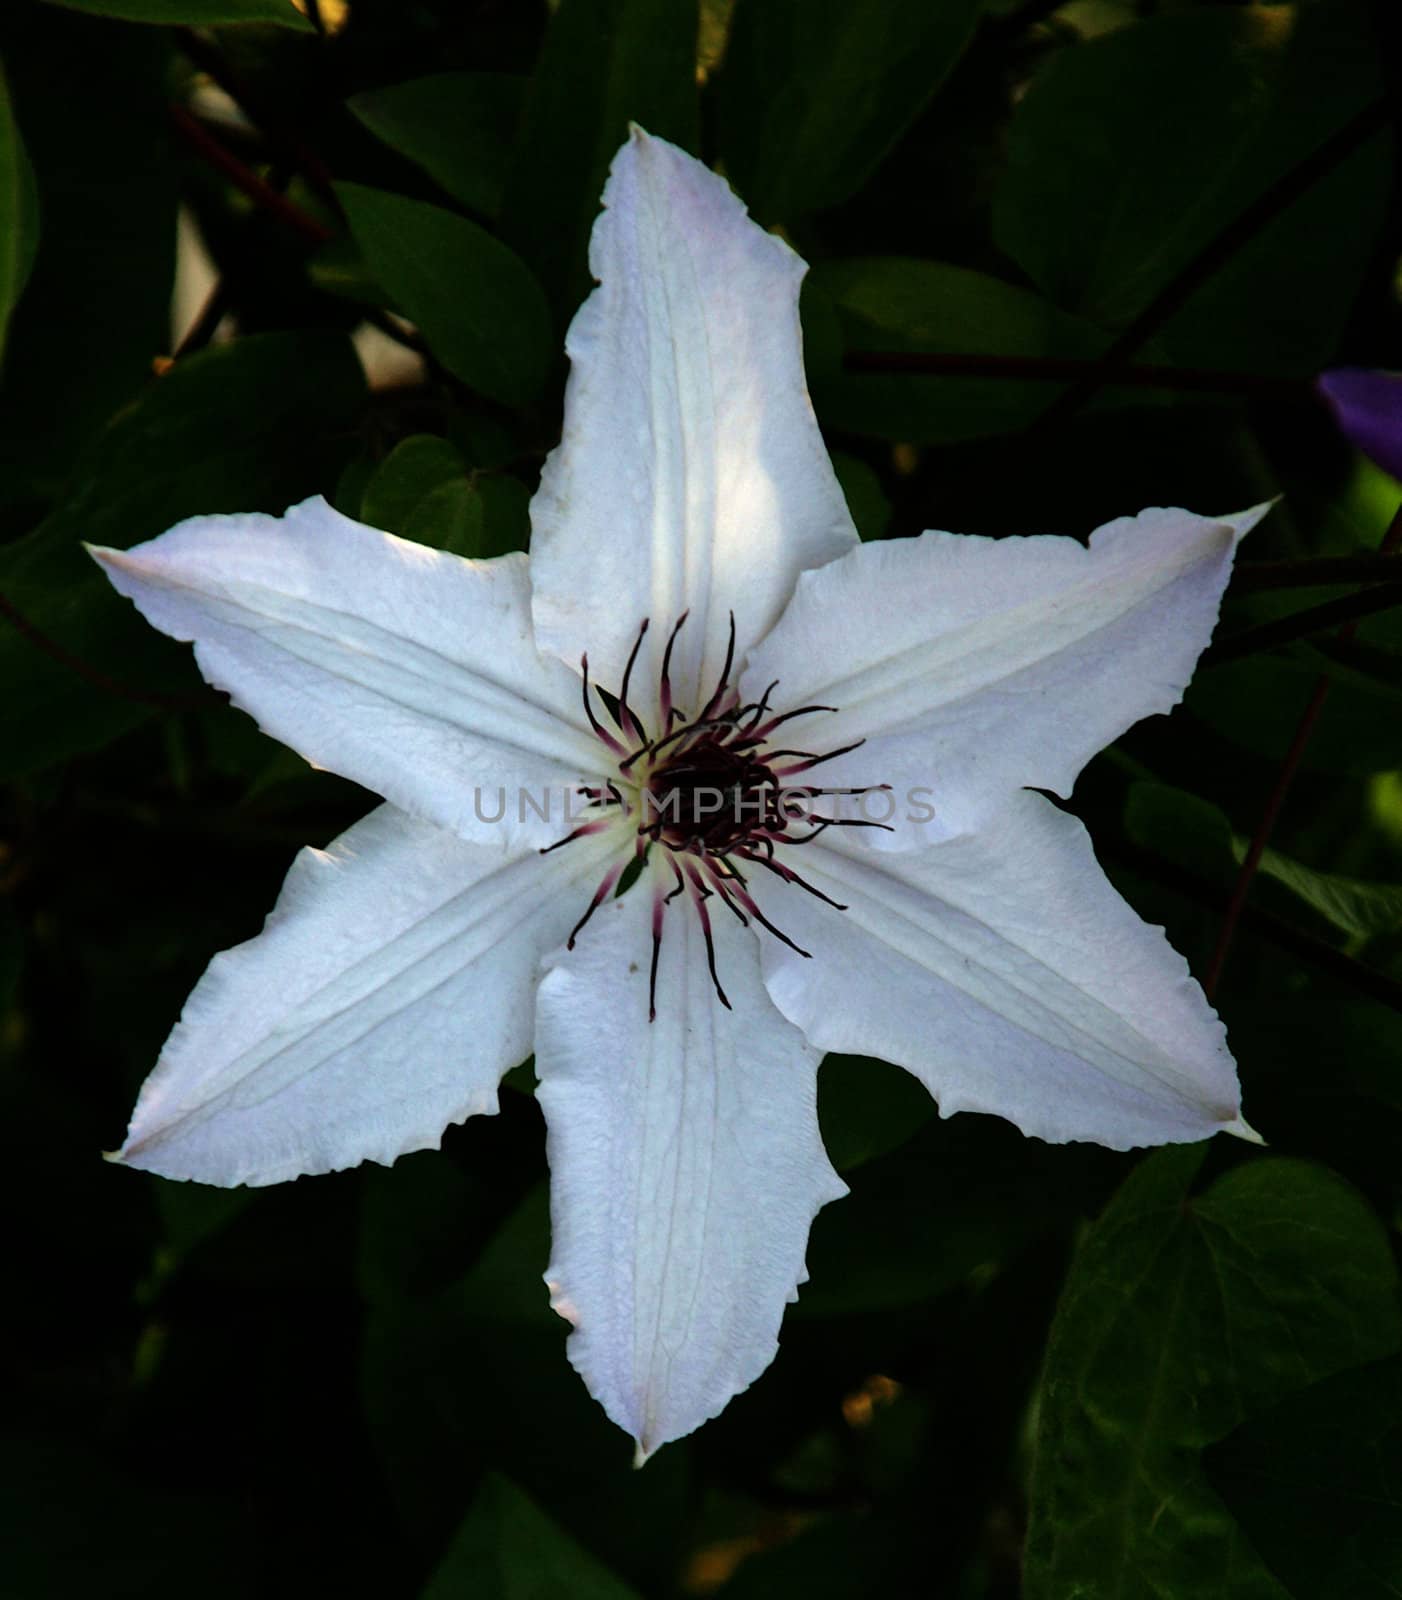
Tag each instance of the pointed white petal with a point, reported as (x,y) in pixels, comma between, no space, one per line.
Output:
(973,666)
(685,1165)
(390,989)
(691,472)
(409,670)
(1003,970)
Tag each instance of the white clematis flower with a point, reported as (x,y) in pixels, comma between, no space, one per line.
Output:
(691,541)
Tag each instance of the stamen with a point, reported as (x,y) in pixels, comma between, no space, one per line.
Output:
(659,903)
(817,761)
(824,823)
(664,688)
(594,722)
(686,731)
(715,699)
(788,716)
(746,900)
(699,895)
(790,876)
(626,720)
(778,933)
(610,878)
(757,710)
(659,906)
(714,871)
(581,832)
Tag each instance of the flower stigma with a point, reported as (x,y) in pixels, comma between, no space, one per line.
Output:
(712,792)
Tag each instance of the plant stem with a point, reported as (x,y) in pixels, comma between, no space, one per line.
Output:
(1212,258)
(1350,609)
(93,675)
(1328,958)
(951,364)
(1236,904)
(263,194)
(1313,572)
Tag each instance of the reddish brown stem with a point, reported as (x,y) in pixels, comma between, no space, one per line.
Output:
(1260,838)
(263,194)
(93,675)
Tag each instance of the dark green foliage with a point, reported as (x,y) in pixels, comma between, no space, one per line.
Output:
(458,126)
(247,427)
(425,490)
(1186,1312)
(477,304)
(1316,1481)
(605,63)
(815,92)
(1128,157)
(19,212)
(908,307)
(508,1549)
(1018,1369)
(97,299)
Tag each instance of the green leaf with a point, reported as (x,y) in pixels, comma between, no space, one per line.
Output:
(252,425)
(896,305)
(411,471)
(508,1549)
(1185,1313)
(19,212)
(449,518)
(1184,829)
(425,491)
(194,13)
(606,63)
(457,126)
(476,303)
(815,92)
(1359,909)
(1131,152)
(97,305)
(1197,835)
(1317,1483)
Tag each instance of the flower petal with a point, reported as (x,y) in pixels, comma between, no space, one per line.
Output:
(685,1165)
(691,473)
(387,994)
(1003,970)
(973,666)
(409,670)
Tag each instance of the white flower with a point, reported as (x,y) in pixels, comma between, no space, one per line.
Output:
(409,966)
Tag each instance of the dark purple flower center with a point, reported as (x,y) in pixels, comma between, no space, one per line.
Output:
(713,793)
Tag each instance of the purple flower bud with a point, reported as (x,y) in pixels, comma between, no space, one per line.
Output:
(1368,407)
